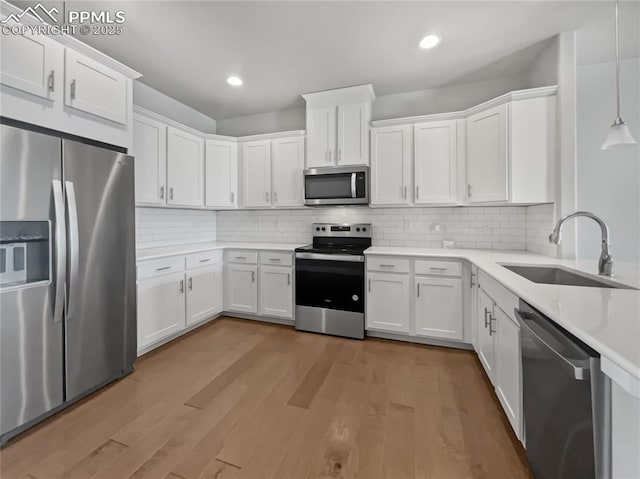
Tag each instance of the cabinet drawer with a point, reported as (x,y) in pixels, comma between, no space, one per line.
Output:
(206,258)
(151,269)
(391,265)
(270,257)
(241,256)
(439,268)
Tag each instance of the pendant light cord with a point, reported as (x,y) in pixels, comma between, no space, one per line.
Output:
(617,64)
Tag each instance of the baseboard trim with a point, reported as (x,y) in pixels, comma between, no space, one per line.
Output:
(256,317)
(418,340)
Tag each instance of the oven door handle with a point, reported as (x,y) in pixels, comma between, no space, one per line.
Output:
(331,257)
(353,185)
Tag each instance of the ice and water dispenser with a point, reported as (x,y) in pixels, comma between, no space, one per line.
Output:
(24,252)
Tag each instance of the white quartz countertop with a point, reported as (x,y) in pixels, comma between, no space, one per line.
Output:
(143,254)
(606,319)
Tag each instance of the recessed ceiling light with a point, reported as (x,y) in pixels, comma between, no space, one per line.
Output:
(234,81)
(429,41)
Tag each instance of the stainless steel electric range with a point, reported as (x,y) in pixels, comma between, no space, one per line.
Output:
(330,280)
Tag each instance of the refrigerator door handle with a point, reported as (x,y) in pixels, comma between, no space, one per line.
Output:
(73,242)
(61,250)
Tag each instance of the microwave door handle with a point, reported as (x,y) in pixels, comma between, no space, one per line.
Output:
(353,185)
(60,249)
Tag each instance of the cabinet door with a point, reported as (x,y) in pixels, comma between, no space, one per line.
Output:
(508,367)
(256,174)
(439,307)
(353,134)
(161,308)
(485,346)
(288,163)
(32,64)
(94,88)
(487,173)
(391,165)
(242,288)
(150,151)
(321,137)
(276,291)
(388,298)
(204,293)
(185,168)
(221,174)
(436,162)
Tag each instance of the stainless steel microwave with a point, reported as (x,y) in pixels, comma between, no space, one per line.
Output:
(339,185)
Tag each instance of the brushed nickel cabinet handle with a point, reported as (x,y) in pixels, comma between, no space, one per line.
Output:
(418,290)
(72,92)
(253,276)
(369,285)
(182,285)
(162,192)
(232,196)
(491,330)
(51,83)
(191,284)
(405,192)
(171,193)
(288,279)
(417,191)
(164,268)
(205,260)
(468,190)
(486,312)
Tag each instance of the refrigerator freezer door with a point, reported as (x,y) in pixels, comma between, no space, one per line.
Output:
(31,349)
(100,327)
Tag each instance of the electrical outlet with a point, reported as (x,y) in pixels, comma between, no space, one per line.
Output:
(448,244)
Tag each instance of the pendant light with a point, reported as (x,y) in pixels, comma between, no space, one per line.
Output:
(619,133)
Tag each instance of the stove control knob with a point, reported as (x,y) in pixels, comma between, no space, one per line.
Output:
(324,229)
(355,297)
(317,228)
(358,229)
(364,229)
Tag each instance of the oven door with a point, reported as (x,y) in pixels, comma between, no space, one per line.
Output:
(336,186)
(330,284)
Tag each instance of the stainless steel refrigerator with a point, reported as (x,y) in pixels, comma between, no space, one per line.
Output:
(67,273)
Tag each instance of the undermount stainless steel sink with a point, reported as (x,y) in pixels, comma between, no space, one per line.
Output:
(561,276)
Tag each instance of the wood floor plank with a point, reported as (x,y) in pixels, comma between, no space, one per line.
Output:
(267,402)
(308,389)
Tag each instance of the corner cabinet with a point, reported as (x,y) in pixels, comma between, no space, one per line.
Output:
(338,126)
(272,172)
(242,288)
(511,151)
(221,174)
(185,168)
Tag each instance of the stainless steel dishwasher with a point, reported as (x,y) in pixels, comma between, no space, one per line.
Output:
(566,402)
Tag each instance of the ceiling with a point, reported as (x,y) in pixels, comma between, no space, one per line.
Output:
(187,49)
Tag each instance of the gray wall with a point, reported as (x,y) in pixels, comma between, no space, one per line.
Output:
(164,105)
(608,181)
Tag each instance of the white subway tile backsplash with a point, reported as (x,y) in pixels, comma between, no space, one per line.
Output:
(164,226)
(540,222)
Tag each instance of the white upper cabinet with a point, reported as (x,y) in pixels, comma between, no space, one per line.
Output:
(185,168)
(487,156)
(438,307)
(338,126)
(150,151)
(388,297)
(32,64)
(353,131)
(94,88)
(511,151)
(391,165)
(321,130)
(436,162)
(256,173)
(221,174)
(287,166)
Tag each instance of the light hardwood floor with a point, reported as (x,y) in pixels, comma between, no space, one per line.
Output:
(242,399)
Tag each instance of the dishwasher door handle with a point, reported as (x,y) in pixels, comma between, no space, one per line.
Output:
(580,368)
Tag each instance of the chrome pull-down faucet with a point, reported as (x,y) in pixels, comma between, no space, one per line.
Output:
(605,263)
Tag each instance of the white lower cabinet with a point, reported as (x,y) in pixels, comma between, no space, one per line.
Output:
(242,288)
(276,291)
(507,349)
(204,293)
(438,307)
(485,345)
(388,300)
(161,308)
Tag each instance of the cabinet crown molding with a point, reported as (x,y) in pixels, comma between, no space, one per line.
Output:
(462,114)
(7,9)
(272,136)
(340,96)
